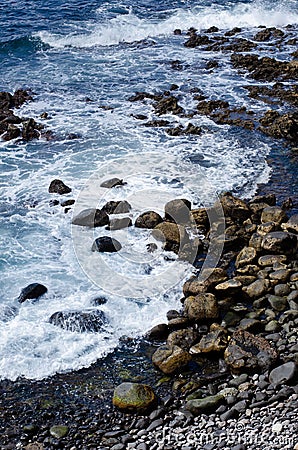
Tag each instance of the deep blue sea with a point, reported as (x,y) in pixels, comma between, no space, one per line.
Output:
(105,51)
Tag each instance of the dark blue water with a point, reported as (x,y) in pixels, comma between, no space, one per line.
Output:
(105,51)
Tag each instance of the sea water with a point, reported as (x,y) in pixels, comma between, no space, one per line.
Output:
(83,60)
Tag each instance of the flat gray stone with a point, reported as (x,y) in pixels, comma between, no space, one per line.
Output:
(282,374)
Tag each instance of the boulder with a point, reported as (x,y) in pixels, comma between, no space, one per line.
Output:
(182,338)
(119,224)
(277,303)
(134,397)
(256,241)
(247,352)
(257,289)
(117,207)
(178,211)
(207,280)
(170,359)
(32,291)
(106,244)
(273,214)
(279,242)
(91,217)
(201,307)
(269,199)
(112,183)
(246,256)
(292,224)
(283,374)
(266,228)
(58,187)
(234,207)
(215,341)
(149,219)
(173,235)
(200,216)
(90,321)
(158,333)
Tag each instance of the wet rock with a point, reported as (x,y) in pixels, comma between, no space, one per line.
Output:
(171,234)
(59,431)
(273,214)
(207,280)
(257,288)
(12,132)
(229,287)
(158,333)
(32,291)
(246,256)
(134,397)
(215,341)
(282,289)
(196,40)
(204,405)
(106,244)
(268,199)
(151,247)
(118,224)
(292,224)
(149,219)
(182,338)
(168,104)
(269,260)
(178,210)
(91,217)
(113,182)
(117,207)
(280,126)
(279,242)
(256,241)
(58,187)
(31,130)
(283,374)
(79,321)
(170,359)
(201,307)
(263,35)
(266,228)
(69,202)
(248,352)
(209,106)
(98,301)
(234,207)
(200,216)
(278,303)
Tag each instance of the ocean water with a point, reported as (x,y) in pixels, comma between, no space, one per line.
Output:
(105,51)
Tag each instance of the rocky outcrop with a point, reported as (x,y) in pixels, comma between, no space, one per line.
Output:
(32,291)
(58,187)
(91,321)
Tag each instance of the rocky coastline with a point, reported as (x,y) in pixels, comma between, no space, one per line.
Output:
(222,371)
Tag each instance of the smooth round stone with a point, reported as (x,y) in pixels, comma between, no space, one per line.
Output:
(281,275)
(278,303)
(133,397)
(282,374)
(246,256)
(59,431)
(282,289)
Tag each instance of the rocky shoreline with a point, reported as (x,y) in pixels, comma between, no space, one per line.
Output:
(222,372)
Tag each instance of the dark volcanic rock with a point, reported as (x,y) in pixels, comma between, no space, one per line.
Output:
(91,218)
(280,125)
(116,207)
(79,321)
(148,219)
(168,104)
(58,187)
(106,244)
(32,291)
(279,242)
(112,183)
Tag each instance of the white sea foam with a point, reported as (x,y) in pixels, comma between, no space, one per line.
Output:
(129,27)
